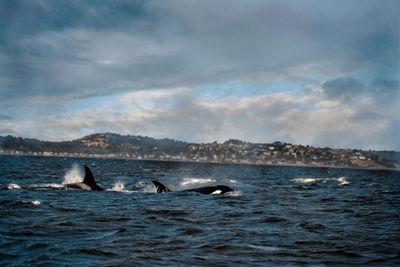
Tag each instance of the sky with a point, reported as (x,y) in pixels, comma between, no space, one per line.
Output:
(320,73)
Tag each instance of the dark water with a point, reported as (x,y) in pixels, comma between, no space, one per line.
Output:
(277,216)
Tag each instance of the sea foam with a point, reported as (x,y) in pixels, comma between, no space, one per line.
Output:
(35,202)
(306,180)
(341,180)
(120,187)
(13,186)
(47,185)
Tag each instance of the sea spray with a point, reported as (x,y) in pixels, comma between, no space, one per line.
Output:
(144,187)
(118,186)
(73,175)
(190,181)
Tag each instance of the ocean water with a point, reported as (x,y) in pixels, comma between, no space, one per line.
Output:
(283,216)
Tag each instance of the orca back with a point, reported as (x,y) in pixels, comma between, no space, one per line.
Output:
(219,189)
(89,180)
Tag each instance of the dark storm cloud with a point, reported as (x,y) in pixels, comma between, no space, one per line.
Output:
(6,117)
(385,85)
(37,55)
(343,89)
(54,51)
(75,49)
(31,17)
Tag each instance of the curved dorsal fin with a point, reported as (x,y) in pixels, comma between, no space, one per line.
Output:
(89,180)
(160,187)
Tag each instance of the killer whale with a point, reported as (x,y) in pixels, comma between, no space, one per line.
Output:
(208,190)
(88,182)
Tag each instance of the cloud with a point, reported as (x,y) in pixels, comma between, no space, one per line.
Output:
(382,86)
(343,89)
(6,117)
(9,129)
(88,48)
(75,67)
(180,114)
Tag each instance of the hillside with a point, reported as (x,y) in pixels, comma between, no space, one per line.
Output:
(110,145)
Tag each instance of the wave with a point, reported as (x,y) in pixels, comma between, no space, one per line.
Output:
(17,186)
(266,248)
(35,202)
(236,193)
(306,180)
(342,181)
(120,187)
(46,186)
(191,181)
(13,186)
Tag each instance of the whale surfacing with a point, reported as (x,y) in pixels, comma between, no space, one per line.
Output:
(208,190)
(88,182)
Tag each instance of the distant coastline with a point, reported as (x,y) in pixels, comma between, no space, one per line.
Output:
(115,146)
(283,164)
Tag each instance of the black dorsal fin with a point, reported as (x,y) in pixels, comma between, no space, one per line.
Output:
(89,180)
(160,187)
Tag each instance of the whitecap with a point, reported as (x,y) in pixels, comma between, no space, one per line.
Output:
(236,193)
(342,181)
(13,186)
(35,202)
(120,187)
(305,180)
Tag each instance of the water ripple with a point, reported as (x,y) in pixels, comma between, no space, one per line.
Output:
(277,216)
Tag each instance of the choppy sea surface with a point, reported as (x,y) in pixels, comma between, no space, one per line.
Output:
(277,215)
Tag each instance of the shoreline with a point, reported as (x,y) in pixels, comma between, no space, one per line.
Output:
(282,164)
